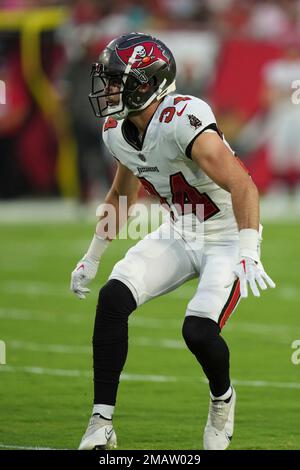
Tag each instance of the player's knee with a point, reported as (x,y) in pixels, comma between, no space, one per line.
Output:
(199,332)
(115,300)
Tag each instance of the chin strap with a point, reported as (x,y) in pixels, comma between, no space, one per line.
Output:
(158,95)
(167,91)
(121,115)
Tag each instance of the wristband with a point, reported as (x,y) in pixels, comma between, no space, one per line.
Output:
(248,243)
(97,248)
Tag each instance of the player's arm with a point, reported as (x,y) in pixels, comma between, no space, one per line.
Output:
(112,215)
(125,184)
(218,162)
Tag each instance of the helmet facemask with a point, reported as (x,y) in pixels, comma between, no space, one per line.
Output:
(129,93)
(101,98)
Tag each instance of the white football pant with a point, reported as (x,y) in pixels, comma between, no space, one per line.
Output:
(159,264)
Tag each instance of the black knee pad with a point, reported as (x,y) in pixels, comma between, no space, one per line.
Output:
(198,332)
(115,300)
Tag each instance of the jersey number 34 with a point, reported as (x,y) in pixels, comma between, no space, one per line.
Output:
(184,196)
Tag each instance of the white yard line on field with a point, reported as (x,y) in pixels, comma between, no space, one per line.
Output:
(145,378)
(78,349)
(289,292)
(12,446)
(46,288)
(84,373)
(280,335)
(29,315)
(281,332)
(35,288)
(55,348)
(45,371)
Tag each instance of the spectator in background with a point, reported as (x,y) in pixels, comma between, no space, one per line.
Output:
(270,19)
(81,37)
(13,115)
(28,143)
(282,127)
(231,16)
(95,170)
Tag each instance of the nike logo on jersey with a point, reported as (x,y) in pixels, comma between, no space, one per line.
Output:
(179,113)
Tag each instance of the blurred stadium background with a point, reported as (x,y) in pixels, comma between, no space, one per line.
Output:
(243,57)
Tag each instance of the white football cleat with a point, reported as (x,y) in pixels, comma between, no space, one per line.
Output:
(220,422)
(99,435)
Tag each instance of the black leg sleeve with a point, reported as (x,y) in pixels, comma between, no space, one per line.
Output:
(110,339)
(202,336)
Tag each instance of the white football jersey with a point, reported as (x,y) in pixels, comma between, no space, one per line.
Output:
(162,161)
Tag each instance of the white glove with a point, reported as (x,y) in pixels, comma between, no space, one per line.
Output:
(250,269)
(252,272)
(84,273)
(86,269)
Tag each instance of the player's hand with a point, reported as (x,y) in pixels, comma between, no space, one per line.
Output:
(84,273)
(252,272)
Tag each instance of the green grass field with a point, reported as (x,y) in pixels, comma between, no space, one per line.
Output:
(46,386)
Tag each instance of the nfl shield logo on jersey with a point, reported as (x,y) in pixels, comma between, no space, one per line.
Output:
(142,157)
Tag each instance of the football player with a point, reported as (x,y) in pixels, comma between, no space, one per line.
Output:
(186,163)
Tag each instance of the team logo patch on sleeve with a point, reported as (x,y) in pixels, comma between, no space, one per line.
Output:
(194,121)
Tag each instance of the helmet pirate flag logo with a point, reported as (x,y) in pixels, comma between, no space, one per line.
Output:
(142,55)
